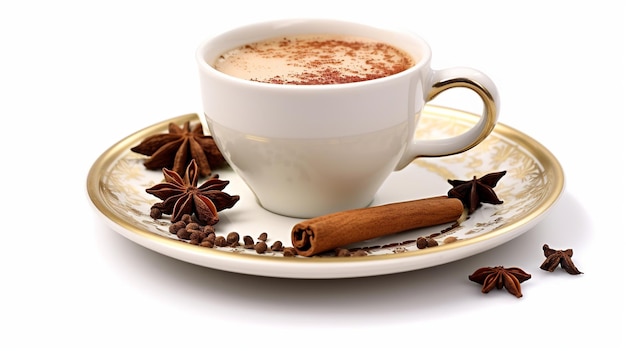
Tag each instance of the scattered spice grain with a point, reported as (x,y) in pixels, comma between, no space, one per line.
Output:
(248,242)
(260,247)
(425,242)
(450,239)
(289,252)
(175,227)
(232,238)
(182,233)
(277,246)
(156,213)
(206,243)
(220,241)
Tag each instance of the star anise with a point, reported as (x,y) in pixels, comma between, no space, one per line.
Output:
(473,192)
(181,196)
(556,257)
(499,277)
(175,149)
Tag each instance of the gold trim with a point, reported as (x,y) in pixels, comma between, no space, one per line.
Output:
(490,106)
(551,169)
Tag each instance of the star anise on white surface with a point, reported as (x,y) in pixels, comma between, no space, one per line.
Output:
(499,277)
(554,258)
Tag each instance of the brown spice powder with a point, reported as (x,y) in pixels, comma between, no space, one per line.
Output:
(315,60)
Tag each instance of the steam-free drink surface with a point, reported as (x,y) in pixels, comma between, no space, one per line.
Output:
(314,60)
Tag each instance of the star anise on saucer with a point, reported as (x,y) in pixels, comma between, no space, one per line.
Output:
(499,277)
(556,257)
(181,196)
(175,149)
(476,191)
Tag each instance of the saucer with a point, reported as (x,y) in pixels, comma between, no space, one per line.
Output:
(117,181)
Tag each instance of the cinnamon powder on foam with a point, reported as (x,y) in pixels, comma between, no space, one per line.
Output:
(314,60)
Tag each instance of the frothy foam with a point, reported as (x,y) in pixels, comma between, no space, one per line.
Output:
(314,59)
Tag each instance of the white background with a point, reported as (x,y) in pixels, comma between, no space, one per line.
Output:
(76,77)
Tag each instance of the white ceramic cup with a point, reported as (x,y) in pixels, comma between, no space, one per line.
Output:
(309,150)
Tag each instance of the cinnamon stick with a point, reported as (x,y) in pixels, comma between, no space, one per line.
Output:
(331,231)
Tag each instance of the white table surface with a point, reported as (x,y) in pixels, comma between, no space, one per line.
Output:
(76,77)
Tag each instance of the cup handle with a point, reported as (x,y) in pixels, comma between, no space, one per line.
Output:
(460,77)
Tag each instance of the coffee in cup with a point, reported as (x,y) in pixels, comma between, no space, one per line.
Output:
(314,60)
